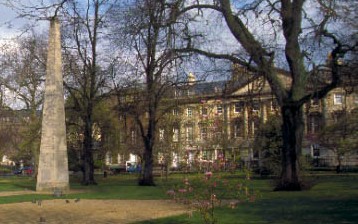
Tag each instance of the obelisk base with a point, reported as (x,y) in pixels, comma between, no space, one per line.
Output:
(53,187)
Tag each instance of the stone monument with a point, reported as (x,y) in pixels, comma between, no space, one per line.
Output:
(53,173)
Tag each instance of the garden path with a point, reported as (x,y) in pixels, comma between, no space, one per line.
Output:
(71,211)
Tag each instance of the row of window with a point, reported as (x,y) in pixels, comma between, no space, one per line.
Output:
(255,106)
(314,124)
(238,108)
(204,132)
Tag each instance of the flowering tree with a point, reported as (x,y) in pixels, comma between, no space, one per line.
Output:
(207,192)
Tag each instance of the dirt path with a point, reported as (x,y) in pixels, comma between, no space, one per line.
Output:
(87,211)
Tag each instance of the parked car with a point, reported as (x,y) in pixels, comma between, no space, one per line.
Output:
(116,169)
(134,168)
(26,170)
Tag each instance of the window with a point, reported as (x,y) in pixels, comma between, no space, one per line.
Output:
(338,99)
(254,126)
(175,134)
(238,107)
(203,133)
(315,150)
(255,106)
(161,135)
(314,123)
(175,112)
(207,155)
(189,133)
(108,158)
(236,131)
(204,111)
(238,128)
(219,109)
(133,136)
(274,105)
(190,92)
(189,112)
(177,93)
(217,130)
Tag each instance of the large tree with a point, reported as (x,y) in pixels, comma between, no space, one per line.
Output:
(294,35)
(84,77)
(146,31)
(23,71)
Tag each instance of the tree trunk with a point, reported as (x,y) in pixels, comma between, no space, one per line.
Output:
(88,164)
(339,166)
(147,174)
(292,132)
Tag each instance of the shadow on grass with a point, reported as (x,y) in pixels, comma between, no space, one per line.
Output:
(279,211)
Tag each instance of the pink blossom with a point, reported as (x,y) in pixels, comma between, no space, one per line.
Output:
(208,175)
(182,190)
(205,204)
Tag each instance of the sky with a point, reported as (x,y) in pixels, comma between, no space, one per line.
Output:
(11,26)
(9,16)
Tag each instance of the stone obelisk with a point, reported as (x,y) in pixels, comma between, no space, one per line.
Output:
(53,173)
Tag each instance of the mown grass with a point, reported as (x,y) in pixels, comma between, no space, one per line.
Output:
(333,199)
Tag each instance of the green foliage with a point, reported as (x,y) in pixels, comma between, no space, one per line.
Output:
(341,137)
(268,142)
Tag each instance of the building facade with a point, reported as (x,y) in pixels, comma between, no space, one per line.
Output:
(218,121)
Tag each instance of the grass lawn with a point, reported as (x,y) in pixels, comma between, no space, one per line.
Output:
(332,200)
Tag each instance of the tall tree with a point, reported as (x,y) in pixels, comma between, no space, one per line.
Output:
(294,34)
(147,31)
(23,69)
(85,80)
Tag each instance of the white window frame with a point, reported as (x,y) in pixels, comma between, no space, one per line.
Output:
(204,111)
(189,133)
(175,134)
(133,136)
(237,130)
(204,133)
(189,112)
(338,99)
(254,104)
(219,109)
(175,112)
(161,134)
(238,107)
